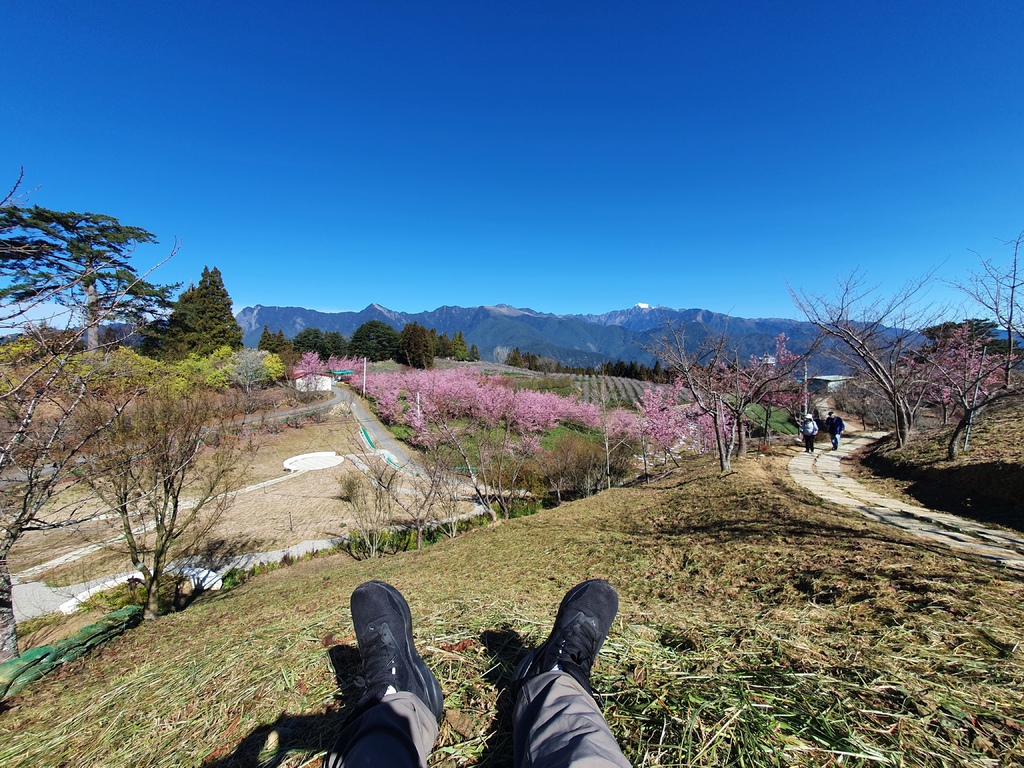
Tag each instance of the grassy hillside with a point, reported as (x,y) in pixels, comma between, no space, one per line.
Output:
(986,483)
(758,626)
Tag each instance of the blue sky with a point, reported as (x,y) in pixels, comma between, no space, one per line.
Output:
(563,156)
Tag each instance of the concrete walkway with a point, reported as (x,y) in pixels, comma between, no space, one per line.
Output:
(378,433)
(821,473)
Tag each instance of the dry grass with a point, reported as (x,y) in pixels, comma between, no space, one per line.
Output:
(305,507)
(758,626)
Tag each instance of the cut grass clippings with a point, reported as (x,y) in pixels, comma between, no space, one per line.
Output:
(758,626)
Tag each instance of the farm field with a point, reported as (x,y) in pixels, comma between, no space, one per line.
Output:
(300,508)
(621,391)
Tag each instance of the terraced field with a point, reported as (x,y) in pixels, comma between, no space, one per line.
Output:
(620,390)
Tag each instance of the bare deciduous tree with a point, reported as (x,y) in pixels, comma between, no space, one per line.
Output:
(167,471)
(373,511)
(879,337)
(722,385)
(1000,290)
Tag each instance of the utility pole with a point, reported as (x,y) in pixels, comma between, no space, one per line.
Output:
(807,402)
(364,378)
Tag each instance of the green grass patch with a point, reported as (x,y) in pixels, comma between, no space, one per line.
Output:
(401,432)
(551,438)
(779,419)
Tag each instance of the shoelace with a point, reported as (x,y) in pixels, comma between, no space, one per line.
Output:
(380,659)
(580,641)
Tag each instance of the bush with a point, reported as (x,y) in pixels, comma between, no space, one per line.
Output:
(363,545)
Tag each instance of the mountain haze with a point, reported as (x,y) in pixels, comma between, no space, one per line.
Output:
(570,339)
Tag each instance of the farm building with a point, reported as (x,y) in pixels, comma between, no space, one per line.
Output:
(313,383)
(816,385)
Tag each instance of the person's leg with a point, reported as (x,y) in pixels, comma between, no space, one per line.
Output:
(397,731)
(556,721)
(395,721)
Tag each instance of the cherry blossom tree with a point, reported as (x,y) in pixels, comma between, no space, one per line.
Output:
(493,429)
(879,338)
(965,378)
(721,387)
(661,423)
(309,364)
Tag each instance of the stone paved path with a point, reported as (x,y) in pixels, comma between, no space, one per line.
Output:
(821,473)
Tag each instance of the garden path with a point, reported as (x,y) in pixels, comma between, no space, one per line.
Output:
(822,473)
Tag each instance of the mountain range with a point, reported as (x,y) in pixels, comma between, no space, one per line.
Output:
(581,340)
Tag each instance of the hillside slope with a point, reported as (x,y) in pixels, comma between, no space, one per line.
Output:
(986,483)
(757,626)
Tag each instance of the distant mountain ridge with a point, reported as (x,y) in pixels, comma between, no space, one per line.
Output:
(571,339)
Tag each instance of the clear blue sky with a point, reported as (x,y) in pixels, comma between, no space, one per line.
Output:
(565,156)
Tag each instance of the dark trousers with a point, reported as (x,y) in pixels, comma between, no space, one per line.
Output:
(556,724)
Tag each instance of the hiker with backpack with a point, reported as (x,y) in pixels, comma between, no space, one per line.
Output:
(835,426)
(809,428)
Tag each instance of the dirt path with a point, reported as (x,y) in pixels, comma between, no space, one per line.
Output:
(822,474)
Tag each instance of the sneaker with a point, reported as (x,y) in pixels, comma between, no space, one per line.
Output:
(390,663)
(581,626)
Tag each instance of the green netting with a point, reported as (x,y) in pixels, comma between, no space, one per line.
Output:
(34,664)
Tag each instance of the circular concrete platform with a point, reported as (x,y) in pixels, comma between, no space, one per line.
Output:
(321,460)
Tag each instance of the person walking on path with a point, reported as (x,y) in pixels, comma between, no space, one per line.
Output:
(835,426)
(556,721)
(809,428)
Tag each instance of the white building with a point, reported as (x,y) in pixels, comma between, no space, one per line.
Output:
(313,383)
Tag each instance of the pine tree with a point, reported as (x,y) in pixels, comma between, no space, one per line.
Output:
(309,340)
(459,349)
(415,346)
(334,345)
(445,348)
(285,349)
(200,323)
(374,340)
(78,260)
(474,353)
(268,342)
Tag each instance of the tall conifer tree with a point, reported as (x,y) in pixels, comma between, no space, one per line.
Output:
(200,323)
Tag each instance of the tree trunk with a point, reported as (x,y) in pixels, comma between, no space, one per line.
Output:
(903,418)
(152,600)
(724,460)
(92,319)
(953,447)
(151,577)
(8,628)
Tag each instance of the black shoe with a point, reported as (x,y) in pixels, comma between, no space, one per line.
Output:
(584,618)
(384,632)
